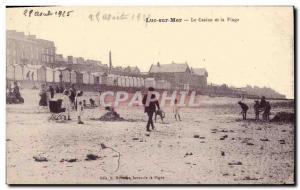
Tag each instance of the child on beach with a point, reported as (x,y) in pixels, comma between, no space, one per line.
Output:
(244,109)
(79,106)
(176,110)
(160,113)
(256,109)
(66,103)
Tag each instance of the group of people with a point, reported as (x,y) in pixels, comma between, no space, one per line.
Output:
(152,107)
(13,94)
(47,93)
(262,106)
(71,99)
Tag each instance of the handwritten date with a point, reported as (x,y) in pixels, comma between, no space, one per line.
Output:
(38,13)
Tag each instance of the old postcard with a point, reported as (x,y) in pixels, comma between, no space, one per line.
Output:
(150,95)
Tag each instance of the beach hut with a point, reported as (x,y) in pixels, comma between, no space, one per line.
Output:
(119,79)
(73,76)
(91,79)
(110,79)
(122,81)
(18,72)
(130,81)
(65,74)
(57,73)
(35,72)
(10,71)
(49,74)
(34,76)
(134,82)
(138,82)
(27,73)
(126,81)
(142,82)
(62,74)
(76,77)
(79,78)
(96,78)
(41,73)
(85,77)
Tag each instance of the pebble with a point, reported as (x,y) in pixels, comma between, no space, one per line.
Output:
(235,163)
(40,159)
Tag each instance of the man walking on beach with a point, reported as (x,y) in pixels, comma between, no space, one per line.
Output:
(150,102)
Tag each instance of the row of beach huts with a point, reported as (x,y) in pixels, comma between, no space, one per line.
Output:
(64,74)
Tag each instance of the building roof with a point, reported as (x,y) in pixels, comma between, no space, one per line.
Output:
(199,71)
(169,68)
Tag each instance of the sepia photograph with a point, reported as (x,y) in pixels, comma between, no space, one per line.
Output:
(147,95)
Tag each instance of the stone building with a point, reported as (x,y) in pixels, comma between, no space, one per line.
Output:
(202,74)
(24,49)
(180,75)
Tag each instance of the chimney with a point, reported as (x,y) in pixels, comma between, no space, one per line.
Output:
(110,62)
(158,64)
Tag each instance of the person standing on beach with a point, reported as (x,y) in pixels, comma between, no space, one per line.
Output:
(266,114)
(57,89)
(150,103)
(61,89)
(66,103)
(16,93)
(256,109)
(79,106)
(51,90)
(176,110)
(244,109)
(262,103)
(72,95)
(43,96)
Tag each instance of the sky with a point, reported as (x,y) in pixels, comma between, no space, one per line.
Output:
(255,50)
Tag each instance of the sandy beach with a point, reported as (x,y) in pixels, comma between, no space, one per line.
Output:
(211,145)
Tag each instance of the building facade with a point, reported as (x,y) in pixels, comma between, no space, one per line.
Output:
(179,75)
(24,49)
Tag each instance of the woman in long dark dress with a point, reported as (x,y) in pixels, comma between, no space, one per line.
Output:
(43,95)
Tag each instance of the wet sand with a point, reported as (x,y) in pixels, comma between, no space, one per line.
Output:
(211,145)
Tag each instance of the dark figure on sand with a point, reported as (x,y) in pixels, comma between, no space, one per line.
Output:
(161,114)
(176,110)
(79,106)
(92,102)
(256,109)
(150,103)
(244,109)
(266,114)
(51,90)
(72,95)
(61,89)
(263,102)
(265,107)
(14,95)
(17,94)
(56,89)
(43,96)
